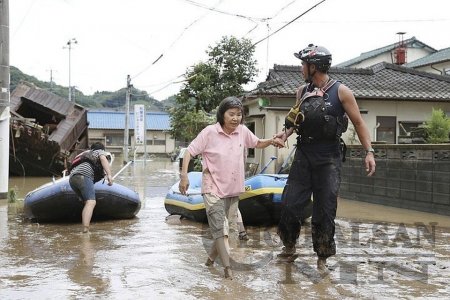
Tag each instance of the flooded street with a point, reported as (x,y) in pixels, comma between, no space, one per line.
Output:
(382,253)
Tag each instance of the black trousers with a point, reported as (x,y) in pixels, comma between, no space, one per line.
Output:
(316,171)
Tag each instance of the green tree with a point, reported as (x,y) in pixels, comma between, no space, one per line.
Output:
(438,127)
(186,124)
(230,65)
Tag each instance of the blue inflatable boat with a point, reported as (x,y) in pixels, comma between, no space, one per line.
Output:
(55,201)
(260,204)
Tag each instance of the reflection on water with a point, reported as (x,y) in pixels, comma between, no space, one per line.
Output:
(147,258)
(83,271)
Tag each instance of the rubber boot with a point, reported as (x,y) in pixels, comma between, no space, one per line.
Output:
(321,263)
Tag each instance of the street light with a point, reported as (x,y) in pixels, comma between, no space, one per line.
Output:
(69,46)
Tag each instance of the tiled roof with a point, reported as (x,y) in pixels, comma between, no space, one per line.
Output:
(116,120)
(412,42)
(47,99)
(434,58)
(382,81)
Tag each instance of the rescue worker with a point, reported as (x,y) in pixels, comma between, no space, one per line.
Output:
(316,168)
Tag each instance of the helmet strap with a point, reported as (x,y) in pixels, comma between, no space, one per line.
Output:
(310,76)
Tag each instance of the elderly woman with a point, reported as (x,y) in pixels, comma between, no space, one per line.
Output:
(222,147)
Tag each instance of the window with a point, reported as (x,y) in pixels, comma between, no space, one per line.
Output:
(159,142)
(405,127)
(156,142)
(386,129)
(114,140)
(97,139)
(251,151)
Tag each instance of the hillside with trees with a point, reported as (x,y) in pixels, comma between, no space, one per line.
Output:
(99,100)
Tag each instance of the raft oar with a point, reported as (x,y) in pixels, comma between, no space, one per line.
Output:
(123,168)
(286,161)
(265,167)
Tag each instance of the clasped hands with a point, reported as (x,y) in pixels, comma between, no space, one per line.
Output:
(278,141)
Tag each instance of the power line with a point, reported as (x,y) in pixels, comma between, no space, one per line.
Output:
(283,8)
(161,83)
(174,42)
(165,83)
(224,12)
(290,22)
(380,21)
(253,19)
(270,18)
(24,18)
(236,15)
(162,88)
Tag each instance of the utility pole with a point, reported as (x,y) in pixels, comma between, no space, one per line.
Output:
(51,79)
(4,98)
(127,120)
(69,46)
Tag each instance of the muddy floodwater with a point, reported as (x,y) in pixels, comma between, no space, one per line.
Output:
(382,253)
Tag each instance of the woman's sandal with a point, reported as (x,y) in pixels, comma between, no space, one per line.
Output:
(227,272)
(243,236)
(209,262)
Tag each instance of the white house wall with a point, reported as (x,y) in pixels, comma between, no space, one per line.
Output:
(440,68)
(402,110)
(411,55)
(100,134)
(152,147)
(266,127)
(273,122)
(373,60)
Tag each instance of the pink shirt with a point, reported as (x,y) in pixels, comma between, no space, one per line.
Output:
(223,156)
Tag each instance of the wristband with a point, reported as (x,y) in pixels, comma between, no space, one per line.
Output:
(370,150)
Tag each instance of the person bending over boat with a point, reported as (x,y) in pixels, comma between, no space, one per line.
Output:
(84,175)
(222,147)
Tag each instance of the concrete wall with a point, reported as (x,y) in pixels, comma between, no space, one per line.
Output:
(415,177)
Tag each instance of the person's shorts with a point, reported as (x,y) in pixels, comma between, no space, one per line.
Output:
(219,212)
(82,186)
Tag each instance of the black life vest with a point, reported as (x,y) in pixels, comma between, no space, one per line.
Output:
(311,118)
(88,156)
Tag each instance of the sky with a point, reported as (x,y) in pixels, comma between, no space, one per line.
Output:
(116,38)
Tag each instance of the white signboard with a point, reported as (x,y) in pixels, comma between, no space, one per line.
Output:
(139,124)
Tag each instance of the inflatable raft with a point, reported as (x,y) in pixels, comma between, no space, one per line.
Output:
(260,204)
(55,201)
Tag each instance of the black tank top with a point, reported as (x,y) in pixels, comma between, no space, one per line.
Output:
(332,101)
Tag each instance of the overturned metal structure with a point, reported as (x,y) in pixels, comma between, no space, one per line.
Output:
(45,131)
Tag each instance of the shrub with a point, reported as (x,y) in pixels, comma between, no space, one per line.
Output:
(438,127)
